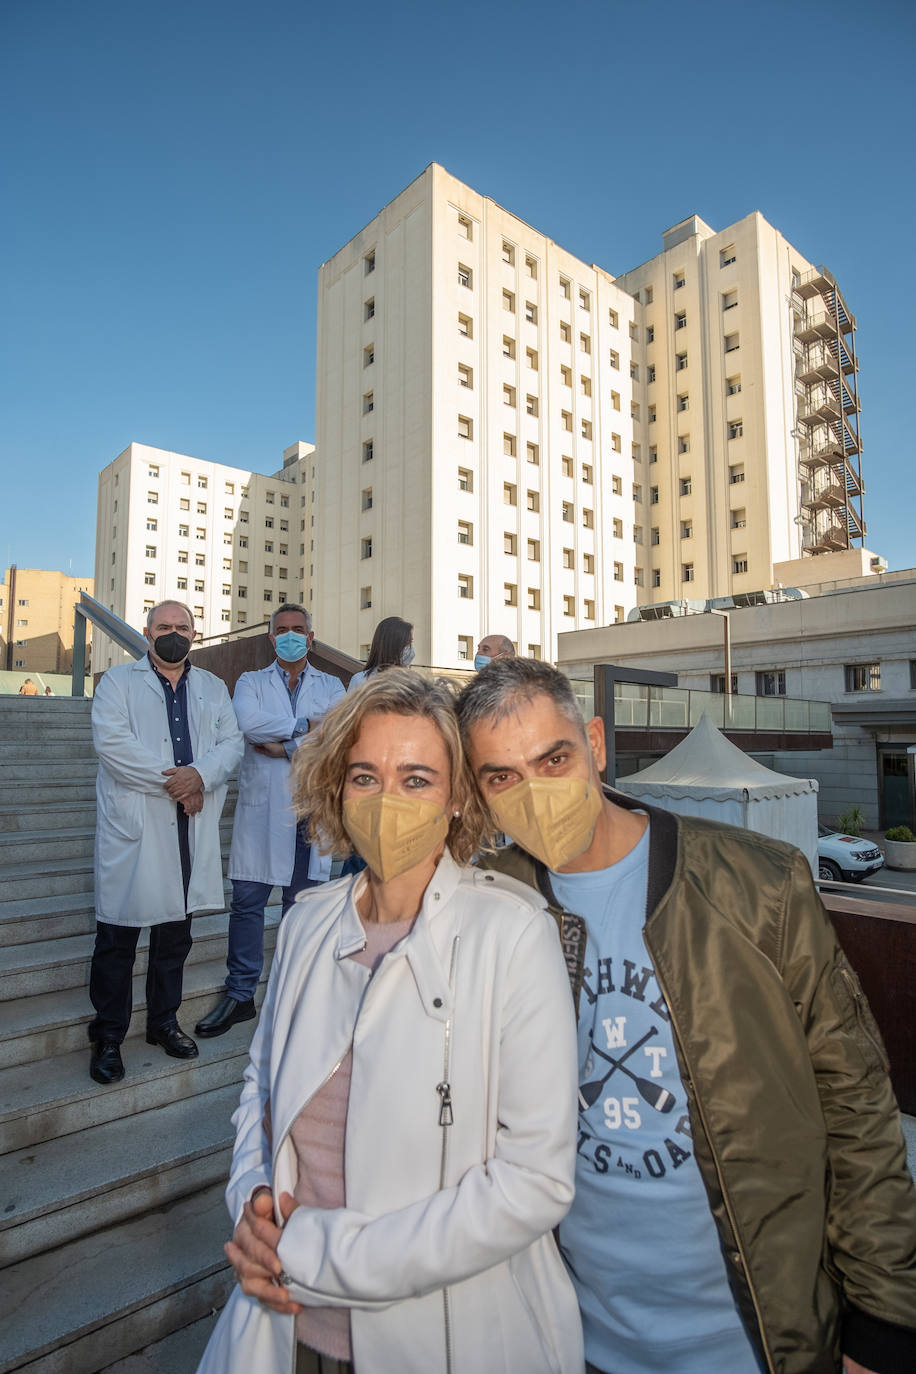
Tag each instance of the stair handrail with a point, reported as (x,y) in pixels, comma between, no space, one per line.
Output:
(122,634)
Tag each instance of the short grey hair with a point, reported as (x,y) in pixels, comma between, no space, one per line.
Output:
(291,606)
(507,683)
(169,601)
(505,644)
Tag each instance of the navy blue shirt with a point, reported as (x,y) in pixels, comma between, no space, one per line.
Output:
(176,701)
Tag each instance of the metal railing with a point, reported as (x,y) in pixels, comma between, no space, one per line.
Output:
(117,630)
(643,707)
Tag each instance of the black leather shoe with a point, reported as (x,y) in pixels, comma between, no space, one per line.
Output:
(225,1015)
(174,1041)
(106,1065)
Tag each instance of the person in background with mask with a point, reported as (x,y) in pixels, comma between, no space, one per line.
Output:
(492,647)
(743,1202)
(167,741)
(276,707)
(391,647)
(406,1136)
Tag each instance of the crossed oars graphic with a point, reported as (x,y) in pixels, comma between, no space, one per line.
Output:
(653,1093)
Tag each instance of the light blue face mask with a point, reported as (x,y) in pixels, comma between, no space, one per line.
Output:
(481,661)
(408,654)
(292,646)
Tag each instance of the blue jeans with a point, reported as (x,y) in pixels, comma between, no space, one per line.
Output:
(246,923)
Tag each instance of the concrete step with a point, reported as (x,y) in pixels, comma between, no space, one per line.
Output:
(36,846)
(179,1353)
(93,1302)
(43,966)
(50,812)
(26,770)
(47,732)
(55,877)
(55,1192)
(63,1099)
(29,751)
(39,1028)
(18,706)
(26,918)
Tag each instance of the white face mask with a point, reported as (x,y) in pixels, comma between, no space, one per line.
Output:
(552,818)
(408,654)
(393,834)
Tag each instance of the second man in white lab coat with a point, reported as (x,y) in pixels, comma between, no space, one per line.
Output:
(275,708)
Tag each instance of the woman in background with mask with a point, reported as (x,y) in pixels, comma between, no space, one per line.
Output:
(406,1134)
(391,647)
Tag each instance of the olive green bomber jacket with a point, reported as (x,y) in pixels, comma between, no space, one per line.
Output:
(794,1122)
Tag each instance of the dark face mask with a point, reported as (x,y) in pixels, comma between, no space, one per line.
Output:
(173,647)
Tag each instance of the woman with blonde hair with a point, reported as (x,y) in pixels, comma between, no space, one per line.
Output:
(406,1134)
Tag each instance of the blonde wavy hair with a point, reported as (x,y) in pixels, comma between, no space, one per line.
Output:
(320,762)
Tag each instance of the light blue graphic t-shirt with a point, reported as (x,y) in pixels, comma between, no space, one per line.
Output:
(639,1241)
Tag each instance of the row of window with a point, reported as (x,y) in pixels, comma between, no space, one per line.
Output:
(203,482)
(857,677)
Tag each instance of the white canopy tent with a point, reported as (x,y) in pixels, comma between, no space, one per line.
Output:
(707,775)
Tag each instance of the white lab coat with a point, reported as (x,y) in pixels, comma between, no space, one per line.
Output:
(476,996)
(264,834)
(137,863)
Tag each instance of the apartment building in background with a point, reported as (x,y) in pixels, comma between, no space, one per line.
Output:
(514,441)
(228,542)
(36,619)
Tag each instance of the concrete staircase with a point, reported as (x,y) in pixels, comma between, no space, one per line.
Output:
(112,1218)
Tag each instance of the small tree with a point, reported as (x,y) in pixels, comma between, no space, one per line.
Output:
(851,821)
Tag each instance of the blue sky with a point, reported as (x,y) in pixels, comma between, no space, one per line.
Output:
(178,169)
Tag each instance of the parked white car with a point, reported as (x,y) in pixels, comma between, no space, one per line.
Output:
(844,858)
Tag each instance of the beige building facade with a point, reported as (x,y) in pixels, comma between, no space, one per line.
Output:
(228,542)
(36,619)
(514,441)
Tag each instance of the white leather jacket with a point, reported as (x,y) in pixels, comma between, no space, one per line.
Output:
(460,1140)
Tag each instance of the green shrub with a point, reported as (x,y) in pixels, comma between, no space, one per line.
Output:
(901,834)
(851,821)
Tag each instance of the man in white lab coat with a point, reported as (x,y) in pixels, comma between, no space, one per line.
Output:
(275,707)
(167,740)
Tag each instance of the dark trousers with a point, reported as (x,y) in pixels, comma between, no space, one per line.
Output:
(110,979)
(111,975)
(245,957)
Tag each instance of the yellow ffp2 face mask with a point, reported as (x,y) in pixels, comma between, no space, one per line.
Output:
(393,833)
(552,818)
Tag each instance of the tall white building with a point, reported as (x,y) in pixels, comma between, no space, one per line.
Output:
(228,542)
(513,441)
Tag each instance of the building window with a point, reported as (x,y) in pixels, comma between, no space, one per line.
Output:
(771,683)
(585,343)
(735,473)
(202,483)
(508,254)
(369,309)
(739,518)
(614,358)
(654,535)
(616,485)
(510,494)
(586,385)
(509,301)
(369,263)
(184,504)
(465,532)
(510,594)
(465,479)
(588,518)
(152,498)
(637,492)
(368,355)
(569,605)
(533,453)
(465,326)
(634,372)
(564,288)
(680,320)
(615,399)
(732,343)
(618,572)
(465,586)
(653,496)
(508,347)
(150,553)
(466,376)
(568,512)
(650,373)
(531,267)
(531,405)
(534,501)
(465,647)
(686,486)
(613,319)
(617,528)
(368,451)
(588,563)
(727,256)
(569,558)
(198,585)
(863,677)
(531,312)
(201,508)
(653,453)
(465,427)
(566,420)
(510,544)
(735,429)
(465,228)
(182,584)
(686,529)
(565,332)
(680,362)
(152,524)
(566,466)
(365,548)
(534,550)
(149,578)
(679,280)
(368,403)
(465,276)
(508,395)
(531,358)
(365,503)
(588,474)
(200,560)
(656,577)
(637,576)
(225,615)
(683,445)
(683,401)
(732,386)
(586,429)
(729,300)
(717,684)
(509,445)
(589,609)
(182,555)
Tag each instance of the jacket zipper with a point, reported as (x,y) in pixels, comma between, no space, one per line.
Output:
(722,1188)
(446,1119)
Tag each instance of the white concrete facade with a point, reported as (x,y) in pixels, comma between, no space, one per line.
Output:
(456,344)
(854,648)
(228,542)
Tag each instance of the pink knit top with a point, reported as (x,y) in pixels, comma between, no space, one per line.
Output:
(318,1135)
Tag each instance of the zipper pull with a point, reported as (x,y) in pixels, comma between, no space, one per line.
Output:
(446,1115)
